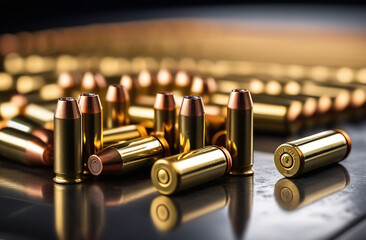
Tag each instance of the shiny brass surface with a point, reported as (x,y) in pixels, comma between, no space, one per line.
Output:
(116,106)
(292,194)
(142,115)
(114,135)
(191,133)
(39,114)
(93,212)
(128,156)
(185,170)
(168,213)
(24,148)
(306,154)
(239,128)
(68,146)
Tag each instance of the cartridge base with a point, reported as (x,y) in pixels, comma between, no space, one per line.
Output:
(245,172)
(68,179)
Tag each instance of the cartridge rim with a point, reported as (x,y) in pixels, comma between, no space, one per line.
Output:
(68,180)
(229,160)
(281,155)
(348,140)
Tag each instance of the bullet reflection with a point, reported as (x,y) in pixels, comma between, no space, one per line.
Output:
(240,190)
(168,213)
(295,193)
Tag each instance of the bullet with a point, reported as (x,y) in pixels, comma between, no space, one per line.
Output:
(296,193)
(167,213)
(92,126)
(39,114)
(164,118)
(203,87)
(128,132)
(186,170)
(239,128)
(164,80)
(24,148)
(116,106)
(68,142)
(128,156)
(129,82)
(306,154)
(192,127)
(24,124)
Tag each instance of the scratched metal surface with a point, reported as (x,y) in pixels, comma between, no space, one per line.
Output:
(230,208)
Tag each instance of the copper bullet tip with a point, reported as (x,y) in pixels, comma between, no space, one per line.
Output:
(144,79)
(93,81)
(192,106)
(164,101)
(67,108)
(105,161)
(117,93)
(182,79)
(164,77)
(67,80)
(240,99)
(90,103)
(203,85)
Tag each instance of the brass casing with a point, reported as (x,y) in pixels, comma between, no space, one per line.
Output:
(127,132)
(239,140)
(116,114)
(182,171)
(169,212)
(68,151)
(135,154)
(295,193)
(92,135)
(40,114)
(164,124)
(192,132)
(68,207)
(24,148)
(306,154)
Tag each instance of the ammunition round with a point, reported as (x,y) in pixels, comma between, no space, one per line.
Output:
(116,107)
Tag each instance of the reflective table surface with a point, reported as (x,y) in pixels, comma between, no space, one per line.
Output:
(325,204)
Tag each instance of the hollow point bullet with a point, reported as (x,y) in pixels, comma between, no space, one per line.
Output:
(92,126)
(68,142)
(25,148)
(116,106)
(128,156)
(192,127)
(239,128)
(164,118)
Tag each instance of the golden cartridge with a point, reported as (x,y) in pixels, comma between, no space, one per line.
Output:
(92,126)
(168,213)
(192,129)
(128,132)
(128,156)
(143,115)
(182,83)
(164,80)
(164,118)
(68,142)
(130,83)
(239,128)
(24,124)
(306,154)
(204,87)
(116,106)
(185,170)
(39,114)
(24,148)
(295,193)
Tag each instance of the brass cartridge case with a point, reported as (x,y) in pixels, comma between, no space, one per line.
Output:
(143,115)
(40,114)
(239,128)
(192,129)
(306,154)
(92,126)
(68,142)
(185,170)
(128,156)
(127,132)
(116,106)
(24,148)
(164,118)
(168,213)
(295,193)
(29,126)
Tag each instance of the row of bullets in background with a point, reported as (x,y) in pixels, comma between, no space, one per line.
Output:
(167,212)
(71,142)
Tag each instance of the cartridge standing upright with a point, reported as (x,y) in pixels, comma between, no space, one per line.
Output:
(116,106)
(92,126)
(192,127)
(68,163)
(239,127)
